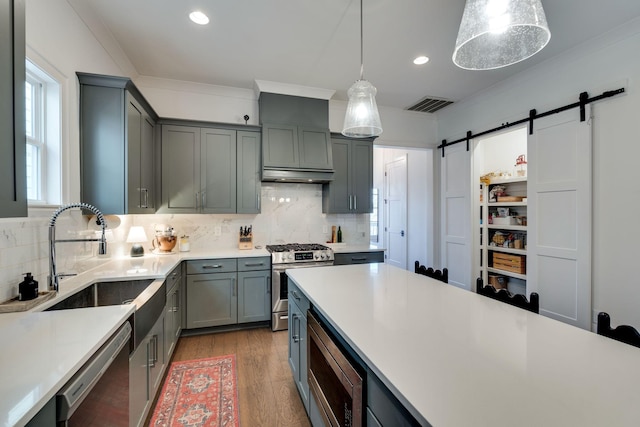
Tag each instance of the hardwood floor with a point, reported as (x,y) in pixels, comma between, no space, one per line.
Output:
(267,393)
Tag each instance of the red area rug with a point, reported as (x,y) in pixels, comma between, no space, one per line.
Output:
(199,393)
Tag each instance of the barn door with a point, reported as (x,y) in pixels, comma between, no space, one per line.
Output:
(559,230)
(456,215)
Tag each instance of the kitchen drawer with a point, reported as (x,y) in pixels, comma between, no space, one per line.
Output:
(203,266)
(174,277)
(295,294)
(252,264)
(346,258)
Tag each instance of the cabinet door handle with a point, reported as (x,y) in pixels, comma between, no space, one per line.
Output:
(294,336)
(359,258)
(350,202)
(355,202)
(258,201)
(146,197)
(268,284)
(197,198)
(153,344)
(295,295)
(255,264)
(234,285)
(203,199)
(208,266)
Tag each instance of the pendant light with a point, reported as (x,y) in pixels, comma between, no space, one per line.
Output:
(497,33)
(362,119)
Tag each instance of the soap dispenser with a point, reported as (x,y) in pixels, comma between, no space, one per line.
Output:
(28,288)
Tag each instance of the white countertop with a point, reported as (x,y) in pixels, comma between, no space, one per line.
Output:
(455,358)
(42,350)
(348,248)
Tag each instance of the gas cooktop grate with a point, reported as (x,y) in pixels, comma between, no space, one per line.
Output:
(296,247)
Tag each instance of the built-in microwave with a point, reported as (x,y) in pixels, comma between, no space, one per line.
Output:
(335,384)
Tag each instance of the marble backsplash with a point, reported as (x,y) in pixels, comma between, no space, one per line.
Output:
(290,213)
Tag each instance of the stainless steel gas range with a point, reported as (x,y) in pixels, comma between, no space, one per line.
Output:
(284,257)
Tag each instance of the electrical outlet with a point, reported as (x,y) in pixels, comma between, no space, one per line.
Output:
(217,230)
(325,229)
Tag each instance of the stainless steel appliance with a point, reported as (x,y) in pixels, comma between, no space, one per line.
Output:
(334,383)
(283,257)
(98,394)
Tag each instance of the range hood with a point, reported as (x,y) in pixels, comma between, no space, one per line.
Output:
(296,175)
(296,142)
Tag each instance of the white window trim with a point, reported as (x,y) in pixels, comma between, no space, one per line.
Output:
(57,175)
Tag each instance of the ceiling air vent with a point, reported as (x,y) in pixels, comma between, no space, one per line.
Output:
(430,105)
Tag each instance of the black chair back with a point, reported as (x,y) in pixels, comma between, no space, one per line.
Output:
(624,333)
(443,275)
(518,300)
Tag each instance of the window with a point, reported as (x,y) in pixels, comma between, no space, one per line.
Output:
(43,124)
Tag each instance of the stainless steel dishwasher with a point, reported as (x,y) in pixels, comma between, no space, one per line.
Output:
(98,394)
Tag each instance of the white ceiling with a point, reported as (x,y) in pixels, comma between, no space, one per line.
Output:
(317,43)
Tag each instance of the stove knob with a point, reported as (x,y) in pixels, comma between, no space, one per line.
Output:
(317,256)
(322,256)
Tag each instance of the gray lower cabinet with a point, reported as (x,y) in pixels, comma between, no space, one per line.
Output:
(146,366)
(117,146)
(298,307)
(212,299)
(228,291)
(13,188)
(207,170)
(351,188)
(346,258)
(46,417)
(383,408)
(254,296)
(173,311)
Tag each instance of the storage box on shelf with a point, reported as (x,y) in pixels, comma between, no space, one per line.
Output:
(509,262)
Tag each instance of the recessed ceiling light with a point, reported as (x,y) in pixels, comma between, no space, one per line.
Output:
(421,60)
(199,18)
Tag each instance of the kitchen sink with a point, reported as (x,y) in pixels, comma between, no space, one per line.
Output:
(149,297)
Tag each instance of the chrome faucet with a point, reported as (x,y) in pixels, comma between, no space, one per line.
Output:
(54,277)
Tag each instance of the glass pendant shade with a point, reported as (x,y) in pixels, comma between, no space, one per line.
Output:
(497,33)
(362,119)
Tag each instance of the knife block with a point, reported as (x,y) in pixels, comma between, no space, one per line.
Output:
(245,242)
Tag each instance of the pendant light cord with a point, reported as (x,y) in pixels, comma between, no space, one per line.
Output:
(361,45)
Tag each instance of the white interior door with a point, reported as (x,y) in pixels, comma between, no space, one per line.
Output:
(395,173)
(456,215)
(559,234)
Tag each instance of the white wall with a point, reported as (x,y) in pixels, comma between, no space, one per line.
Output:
(608,62)
(420,244)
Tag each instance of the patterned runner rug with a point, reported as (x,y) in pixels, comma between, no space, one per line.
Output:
(199,393)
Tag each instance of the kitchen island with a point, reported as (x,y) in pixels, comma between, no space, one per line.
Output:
(455,358)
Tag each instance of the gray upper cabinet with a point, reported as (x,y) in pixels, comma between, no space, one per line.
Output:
(350,190)
(13,188)
(209,170)
(218,170)
(117,146)
(180,169)
(248,173)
